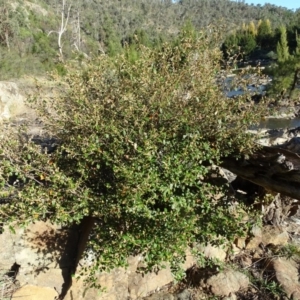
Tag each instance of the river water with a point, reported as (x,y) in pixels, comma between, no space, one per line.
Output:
(269,123)
(273,123)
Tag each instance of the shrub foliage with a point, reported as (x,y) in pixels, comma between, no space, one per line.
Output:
(135,144)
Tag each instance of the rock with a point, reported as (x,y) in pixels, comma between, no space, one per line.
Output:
(293,145)
(11,101)
(44,252)
(125,282)
(274,235)
(256,231)
(229,176)
(140,285)
(31,292)
(240,243)
(231,297)
(115,283)
(52,278)
(46,255)
(161,296)
(184,295)
(258,253)
(286,273)
(227,282)
(7,258)
(269,235)
(253,243)
(213,252)
(129,283)
(235,250)
(294,132)
(256,239)
(79,291)
(246,261)
(279,209)
(190,260)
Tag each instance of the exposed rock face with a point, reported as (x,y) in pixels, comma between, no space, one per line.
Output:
(45,254)
(13,96)
(11,100)
(122,284)
(43,251)
(268,235)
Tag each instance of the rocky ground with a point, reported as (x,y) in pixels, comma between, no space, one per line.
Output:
(262,265)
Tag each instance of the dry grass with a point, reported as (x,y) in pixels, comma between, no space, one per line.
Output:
(8,285)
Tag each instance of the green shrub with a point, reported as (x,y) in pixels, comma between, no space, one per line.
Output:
(136,142)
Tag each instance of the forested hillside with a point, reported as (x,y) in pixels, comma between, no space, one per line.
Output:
(37,35)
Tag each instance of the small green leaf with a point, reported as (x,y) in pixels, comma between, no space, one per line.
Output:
(12,230)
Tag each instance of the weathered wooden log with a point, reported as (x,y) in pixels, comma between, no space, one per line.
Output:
(274,168)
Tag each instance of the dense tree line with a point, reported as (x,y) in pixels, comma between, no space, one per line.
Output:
(261,39)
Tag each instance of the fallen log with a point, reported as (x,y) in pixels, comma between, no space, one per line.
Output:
(275,168)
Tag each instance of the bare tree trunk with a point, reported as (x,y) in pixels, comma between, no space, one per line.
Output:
(7,40)
(294,84)
(77,32)
(274,168)
(5,27)
(63,28)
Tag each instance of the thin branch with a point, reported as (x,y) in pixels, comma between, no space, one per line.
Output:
(63,27)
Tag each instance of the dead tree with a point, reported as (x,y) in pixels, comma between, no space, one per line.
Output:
(63,27)
(276,168)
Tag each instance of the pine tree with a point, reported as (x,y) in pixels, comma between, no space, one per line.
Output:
(252,29)
(264,28)
(297,51)
(247,43)
(264,33)
(282,46)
